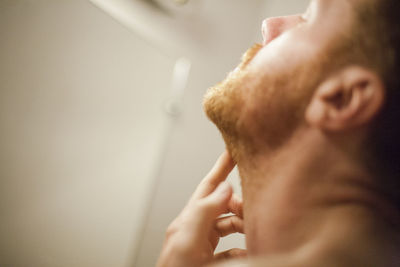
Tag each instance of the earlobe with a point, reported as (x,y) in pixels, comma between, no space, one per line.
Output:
(348,99)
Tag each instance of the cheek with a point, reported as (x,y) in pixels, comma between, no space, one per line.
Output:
(267,111)
(284,53)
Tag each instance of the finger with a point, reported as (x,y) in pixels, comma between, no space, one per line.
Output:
(221,169)
(235,205)
(234,253)
(217,202)
(229,225)
(207,210)
(218,174)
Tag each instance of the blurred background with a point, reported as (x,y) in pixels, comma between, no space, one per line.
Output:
(102,134)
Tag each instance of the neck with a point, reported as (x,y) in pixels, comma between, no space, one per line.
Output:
(304,192)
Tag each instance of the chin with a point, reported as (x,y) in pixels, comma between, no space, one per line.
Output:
(224,102)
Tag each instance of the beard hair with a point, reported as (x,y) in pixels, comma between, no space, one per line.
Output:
(223,103)
(258,112)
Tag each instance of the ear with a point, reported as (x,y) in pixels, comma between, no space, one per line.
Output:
(348,99)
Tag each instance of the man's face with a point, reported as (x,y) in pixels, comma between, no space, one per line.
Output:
(262,102)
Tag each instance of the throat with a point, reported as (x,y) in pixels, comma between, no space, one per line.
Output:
(305,195)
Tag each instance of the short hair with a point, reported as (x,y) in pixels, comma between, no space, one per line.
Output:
(377,37)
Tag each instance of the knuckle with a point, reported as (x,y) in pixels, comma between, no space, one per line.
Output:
(172,229)
(204,205)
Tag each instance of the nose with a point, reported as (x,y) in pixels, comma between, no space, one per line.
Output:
(274,27)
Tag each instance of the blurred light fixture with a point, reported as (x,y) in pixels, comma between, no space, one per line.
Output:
(162,4)
(166,23)
(180,2)
(175,7)
(180,78)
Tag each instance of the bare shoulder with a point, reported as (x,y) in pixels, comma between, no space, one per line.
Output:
(352,254)
(289,261)
(254,263)
(230,263)
(263,262)
(286,260)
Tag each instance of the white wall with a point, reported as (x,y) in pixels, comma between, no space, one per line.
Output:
(81,131)
(286,7)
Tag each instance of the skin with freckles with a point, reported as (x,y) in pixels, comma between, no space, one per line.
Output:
(295,116)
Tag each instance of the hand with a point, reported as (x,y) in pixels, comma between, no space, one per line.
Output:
(192,237)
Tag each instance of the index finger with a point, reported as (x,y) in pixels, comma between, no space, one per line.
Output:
(218,174)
